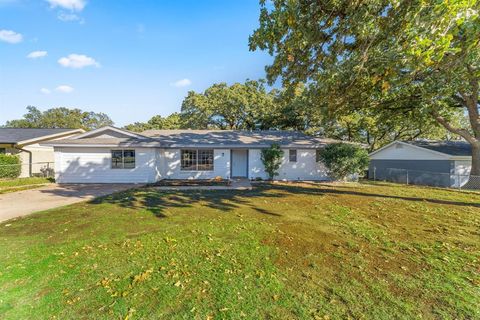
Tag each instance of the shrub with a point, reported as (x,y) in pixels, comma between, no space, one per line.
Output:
(10,166)
(272,159)
(344,159)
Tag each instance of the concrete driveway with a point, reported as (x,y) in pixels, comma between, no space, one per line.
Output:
(21,203)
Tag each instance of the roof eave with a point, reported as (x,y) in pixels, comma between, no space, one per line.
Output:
(438,153)
(48,137)
(180,146)
(114,145)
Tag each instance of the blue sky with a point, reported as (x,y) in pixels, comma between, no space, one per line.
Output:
(131,59)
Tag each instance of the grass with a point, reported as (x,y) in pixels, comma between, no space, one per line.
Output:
(12,185)
(283,251)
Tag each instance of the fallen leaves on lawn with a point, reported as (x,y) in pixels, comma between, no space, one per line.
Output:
(129,314)
(170,240)
(74,300)
(143,276)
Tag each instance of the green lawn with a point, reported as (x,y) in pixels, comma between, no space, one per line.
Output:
(12,185)
(361,251)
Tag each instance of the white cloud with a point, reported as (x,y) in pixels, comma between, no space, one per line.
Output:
(69,17)
(73,5)
(45,91)
(37,54)
(77,61)
(10,36)
(64,89)
(182,83)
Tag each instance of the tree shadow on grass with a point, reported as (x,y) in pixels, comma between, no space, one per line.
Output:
(326,188)
(159,201)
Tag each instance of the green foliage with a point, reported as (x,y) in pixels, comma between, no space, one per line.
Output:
(239,106)
(300,108)
(10,166)
(250,106)
(173,121)
(61,118)
(344,159)
(385,59)
(272,159)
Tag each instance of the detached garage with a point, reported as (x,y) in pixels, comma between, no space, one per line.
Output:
(434,163)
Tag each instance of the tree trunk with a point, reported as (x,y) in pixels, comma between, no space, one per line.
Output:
(476,160)
(474,179)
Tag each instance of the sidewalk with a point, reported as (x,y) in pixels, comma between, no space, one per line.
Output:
(22,203)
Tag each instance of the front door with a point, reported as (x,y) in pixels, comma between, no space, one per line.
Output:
(239,163)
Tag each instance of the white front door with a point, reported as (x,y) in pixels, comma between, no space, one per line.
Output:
(239,163)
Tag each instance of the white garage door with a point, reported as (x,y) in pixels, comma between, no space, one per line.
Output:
(94,165)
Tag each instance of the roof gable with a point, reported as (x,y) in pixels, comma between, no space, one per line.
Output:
(107,132)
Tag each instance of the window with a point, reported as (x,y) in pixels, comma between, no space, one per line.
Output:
(292,155)
(196,160)
(318,155)
(123,159)
(117,159)
(189,160)
(129,159)
(3,150)
(205,160)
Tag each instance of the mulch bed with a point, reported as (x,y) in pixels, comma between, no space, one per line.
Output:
(191,183)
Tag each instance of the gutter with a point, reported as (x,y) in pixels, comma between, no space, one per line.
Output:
(460,158)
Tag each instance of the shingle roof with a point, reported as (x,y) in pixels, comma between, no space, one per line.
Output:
(238,138)
(15,135)
(453,148)
(121,142)
(208,138)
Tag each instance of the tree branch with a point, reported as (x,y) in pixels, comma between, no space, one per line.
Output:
(461,132)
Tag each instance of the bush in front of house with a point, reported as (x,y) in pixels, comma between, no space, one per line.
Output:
(272,159)
(10,166)
(344,159)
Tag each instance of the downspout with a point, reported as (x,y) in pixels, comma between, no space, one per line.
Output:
(29,159)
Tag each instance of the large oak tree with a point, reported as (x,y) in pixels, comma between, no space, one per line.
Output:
(61,118)
(391,57)
(238,106)
(172,121)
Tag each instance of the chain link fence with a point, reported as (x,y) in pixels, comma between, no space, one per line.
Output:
(36,169)
(427,178)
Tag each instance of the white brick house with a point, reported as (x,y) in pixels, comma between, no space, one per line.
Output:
(112,155)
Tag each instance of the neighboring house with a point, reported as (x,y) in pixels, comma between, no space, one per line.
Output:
(436,163)
(112,155)
(26,144)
